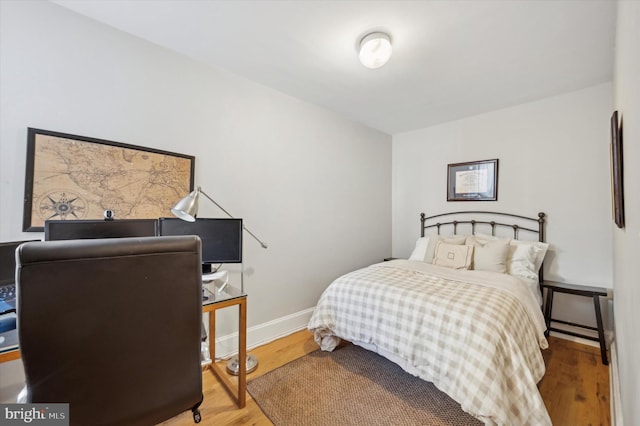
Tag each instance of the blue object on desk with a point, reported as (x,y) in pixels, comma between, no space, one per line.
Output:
(7,324)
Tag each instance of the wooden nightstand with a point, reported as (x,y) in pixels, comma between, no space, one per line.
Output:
(580,290)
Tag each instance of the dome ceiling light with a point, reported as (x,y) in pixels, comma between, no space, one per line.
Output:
(375,50)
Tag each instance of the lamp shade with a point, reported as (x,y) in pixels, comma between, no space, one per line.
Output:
(375,50)
(187,208)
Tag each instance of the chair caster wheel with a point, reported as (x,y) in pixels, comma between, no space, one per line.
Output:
(196,416)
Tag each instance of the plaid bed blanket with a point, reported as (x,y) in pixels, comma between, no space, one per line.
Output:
(476,335)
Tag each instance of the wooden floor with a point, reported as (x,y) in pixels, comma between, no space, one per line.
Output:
(575,388)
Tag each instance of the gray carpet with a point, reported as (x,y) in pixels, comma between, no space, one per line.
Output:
(351,386)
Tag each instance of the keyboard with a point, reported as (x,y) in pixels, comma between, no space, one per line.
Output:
(8,292)
(7,298)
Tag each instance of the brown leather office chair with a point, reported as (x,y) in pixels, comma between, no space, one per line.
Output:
(112,327)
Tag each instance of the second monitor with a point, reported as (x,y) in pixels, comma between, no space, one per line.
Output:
(221,238)
(88,229)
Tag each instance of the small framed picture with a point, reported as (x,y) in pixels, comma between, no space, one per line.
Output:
(473,181)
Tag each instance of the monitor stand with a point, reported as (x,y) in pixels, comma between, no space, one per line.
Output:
(206,269)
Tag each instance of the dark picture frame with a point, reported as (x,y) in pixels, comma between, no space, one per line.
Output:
(72,177)
(617,189)
(473,181)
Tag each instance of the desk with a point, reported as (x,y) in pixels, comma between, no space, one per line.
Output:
(217,300)
(10,351)
(9,340)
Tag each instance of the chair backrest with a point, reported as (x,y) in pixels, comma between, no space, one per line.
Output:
(112,326)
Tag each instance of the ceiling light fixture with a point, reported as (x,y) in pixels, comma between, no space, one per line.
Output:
(375,50)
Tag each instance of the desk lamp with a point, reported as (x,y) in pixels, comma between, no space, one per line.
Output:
(187,209)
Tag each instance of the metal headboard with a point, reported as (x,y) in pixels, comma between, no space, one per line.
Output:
(426,223)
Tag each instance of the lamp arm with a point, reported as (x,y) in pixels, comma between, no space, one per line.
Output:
(264,245)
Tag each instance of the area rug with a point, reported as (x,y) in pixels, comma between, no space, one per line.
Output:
(351,386)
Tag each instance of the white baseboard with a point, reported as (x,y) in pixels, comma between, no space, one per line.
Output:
(576,339)
(614,388)
(261,334)
(608,335)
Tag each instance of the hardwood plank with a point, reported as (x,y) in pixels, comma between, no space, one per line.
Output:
(575,388)
(218,408)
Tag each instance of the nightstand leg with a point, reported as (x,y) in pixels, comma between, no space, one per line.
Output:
(548,309)
(603,347)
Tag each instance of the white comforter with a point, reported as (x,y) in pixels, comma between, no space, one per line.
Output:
(476,335)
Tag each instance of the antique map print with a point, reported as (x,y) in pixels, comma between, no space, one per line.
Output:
(74,179)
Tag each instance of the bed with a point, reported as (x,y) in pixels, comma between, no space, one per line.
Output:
(463,312)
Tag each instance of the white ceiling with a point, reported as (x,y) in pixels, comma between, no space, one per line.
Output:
(451,59)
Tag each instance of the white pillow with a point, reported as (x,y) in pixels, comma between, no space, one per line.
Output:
(489,255)
(487,237)
(420,249)
(456,256)
(433,241)
(539,249)
(521,261)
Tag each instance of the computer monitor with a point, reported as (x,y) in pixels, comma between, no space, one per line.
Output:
(8,261)
(87,229)
(221,238)
(7,283)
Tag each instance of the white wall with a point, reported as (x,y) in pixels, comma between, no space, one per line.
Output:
(553,157)
(314,186)
(626,242)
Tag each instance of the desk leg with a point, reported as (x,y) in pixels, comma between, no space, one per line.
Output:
(603,347)
(212,336)
(237,390)
(242,355)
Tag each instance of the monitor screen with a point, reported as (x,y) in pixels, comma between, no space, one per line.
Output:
(221,238)
(8,261)
(87,229)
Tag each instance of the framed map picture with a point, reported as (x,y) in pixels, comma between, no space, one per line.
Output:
(75,177)
(473,181)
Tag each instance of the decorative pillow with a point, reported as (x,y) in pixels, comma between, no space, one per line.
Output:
(433,241)
(420,249)
(489,255)
(455,256)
